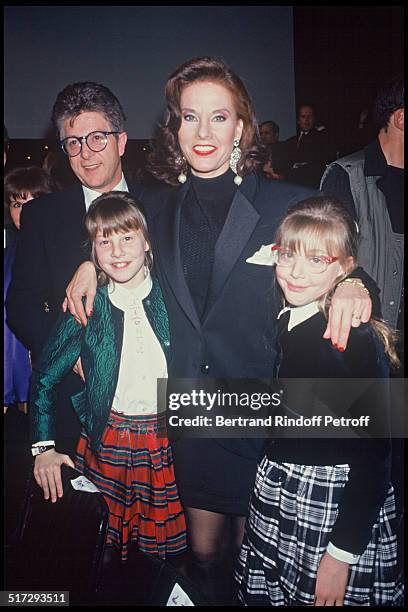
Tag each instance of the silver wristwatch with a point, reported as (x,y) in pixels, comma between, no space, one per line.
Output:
(37,450)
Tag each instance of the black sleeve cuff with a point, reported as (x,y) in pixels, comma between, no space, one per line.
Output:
(371,286)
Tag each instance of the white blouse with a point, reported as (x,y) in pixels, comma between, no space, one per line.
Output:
(142,360)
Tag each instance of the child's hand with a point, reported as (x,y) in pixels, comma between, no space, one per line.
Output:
(47,472)
(331,581)
(83,283)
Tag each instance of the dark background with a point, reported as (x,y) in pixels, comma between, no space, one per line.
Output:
(342,56)
(133,50)
(333,57)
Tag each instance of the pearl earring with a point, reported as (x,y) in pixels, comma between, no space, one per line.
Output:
(182,177)
(234,160)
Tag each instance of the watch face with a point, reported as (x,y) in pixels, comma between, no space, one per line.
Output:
(37,450)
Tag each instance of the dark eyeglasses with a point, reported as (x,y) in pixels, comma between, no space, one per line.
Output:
(96,141)
(317,264)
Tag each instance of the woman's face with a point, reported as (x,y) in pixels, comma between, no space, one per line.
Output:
(16,207)
(209,125)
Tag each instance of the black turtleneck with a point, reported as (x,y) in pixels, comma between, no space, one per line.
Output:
(203,215)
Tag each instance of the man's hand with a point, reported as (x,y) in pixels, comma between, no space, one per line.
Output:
(331,581)
(350,306)
(83,283)
(269,172)
(47,472)
(78,370)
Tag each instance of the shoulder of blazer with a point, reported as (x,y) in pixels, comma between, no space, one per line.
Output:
(156,199)
(291,140)
(48,204)
(135,189)
(273,196)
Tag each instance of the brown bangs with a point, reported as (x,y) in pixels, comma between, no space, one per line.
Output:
(111,222)
(115,212)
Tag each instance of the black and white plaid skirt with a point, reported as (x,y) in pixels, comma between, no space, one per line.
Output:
(292,513)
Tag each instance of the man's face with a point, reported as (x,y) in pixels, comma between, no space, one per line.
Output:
(100,170)
(268,135)
(306,118)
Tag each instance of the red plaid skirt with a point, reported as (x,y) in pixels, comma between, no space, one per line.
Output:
(133,469)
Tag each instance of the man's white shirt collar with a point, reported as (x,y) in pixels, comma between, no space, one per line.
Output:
(298,314)
(90,194)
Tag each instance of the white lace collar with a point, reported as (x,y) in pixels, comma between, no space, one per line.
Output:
(128,298)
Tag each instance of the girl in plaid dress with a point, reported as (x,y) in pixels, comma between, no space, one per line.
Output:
(124,349)
(321,528)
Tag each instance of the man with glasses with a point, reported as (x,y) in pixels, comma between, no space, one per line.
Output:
(90,123)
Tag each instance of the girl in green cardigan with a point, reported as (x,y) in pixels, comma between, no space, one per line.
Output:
(123,448)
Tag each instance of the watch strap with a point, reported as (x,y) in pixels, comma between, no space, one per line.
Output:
(37,450)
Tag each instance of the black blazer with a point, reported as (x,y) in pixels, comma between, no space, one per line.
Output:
(311,151)
(235,337)
(50,248)
(312,147)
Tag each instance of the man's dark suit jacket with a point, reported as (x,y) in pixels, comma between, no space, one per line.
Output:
(50,248)
(312,151)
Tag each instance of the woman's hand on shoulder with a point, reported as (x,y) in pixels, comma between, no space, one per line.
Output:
(350,306)
(83,283)
(331,581)
(47,472)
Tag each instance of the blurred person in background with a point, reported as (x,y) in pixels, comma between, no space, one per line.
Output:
(20,186)
(370,183)
(269,133)
(306,151)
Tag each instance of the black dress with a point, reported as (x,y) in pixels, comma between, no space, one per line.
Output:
(212,473)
